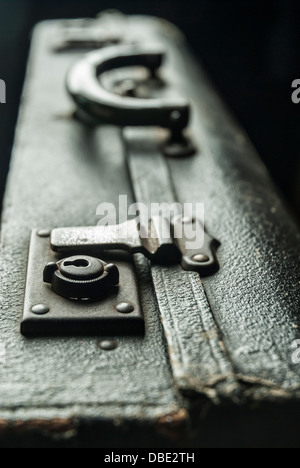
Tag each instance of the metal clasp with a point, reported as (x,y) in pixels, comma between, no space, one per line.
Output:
(163,243)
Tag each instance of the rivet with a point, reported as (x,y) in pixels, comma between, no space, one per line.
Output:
(107,345)
(125,308)
(200,258)
(175,115)
(44,233)
(40,309)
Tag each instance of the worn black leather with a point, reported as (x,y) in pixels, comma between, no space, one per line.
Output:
(213,346)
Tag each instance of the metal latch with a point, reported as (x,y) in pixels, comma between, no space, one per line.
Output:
(161,242)
(80,294)
(95,290)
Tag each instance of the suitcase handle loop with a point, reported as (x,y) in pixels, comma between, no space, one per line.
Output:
(84,85)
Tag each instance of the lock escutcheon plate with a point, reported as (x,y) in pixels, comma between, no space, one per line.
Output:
(65,317)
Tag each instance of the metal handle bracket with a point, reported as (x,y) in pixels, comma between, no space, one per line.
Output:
(84,85)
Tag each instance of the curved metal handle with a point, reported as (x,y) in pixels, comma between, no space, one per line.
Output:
(84,86)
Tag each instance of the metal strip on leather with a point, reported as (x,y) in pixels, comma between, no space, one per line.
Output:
(198,359)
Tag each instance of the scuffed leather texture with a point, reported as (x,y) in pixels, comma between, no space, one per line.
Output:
(213,346)
(198,359)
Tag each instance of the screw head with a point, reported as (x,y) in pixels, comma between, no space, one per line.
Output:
(200,258)
(125,308)
(108,345)
(44,233)
(40,309)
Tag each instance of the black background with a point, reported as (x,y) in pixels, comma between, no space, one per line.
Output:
(250,49)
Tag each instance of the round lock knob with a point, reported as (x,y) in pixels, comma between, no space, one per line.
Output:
(81,268)
(81,277)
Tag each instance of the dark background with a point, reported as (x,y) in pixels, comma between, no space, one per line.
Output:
(251,51)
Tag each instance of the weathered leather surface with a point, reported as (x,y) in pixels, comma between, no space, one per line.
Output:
(198,359)
(224,340)
(255,296)
(60,172)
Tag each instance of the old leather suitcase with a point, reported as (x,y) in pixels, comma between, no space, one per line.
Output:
(195,351)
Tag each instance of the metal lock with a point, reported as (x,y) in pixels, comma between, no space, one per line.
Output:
(91,296)
(80,295)
(81,277)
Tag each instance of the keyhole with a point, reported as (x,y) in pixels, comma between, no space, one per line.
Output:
(79,263)
(81,268)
